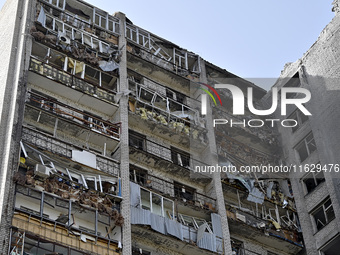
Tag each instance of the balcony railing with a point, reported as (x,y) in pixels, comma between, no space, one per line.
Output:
(64,149)
(79,117)
(167,188)
(71,81)
(175,157)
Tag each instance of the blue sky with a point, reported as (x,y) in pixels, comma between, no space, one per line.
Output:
(253,39)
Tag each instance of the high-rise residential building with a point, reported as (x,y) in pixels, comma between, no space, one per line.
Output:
(107,149)
(314,143)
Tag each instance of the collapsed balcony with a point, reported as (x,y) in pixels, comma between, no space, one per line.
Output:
(158,212)
(60,119)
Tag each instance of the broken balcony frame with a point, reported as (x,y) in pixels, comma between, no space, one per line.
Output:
(54,107)
(58,28)
(105,21)
(72,176)
(40,140)
(72,81)
(170,109)
(74,67)
(38,204)
(144,39)
(24,225)
(100,18)
(64,16)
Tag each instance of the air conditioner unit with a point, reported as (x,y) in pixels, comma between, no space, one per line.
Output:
(63,38)
(42,171)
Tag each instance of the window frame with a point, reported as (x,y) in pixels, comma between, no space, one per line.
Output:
(312,175)
(325,211)
(297,116)
(306,146)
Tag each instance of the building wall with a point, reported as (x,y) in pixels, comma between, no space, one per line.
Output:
(318,72)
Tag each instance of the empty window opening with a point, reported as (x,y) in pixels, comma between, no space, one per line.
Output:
(312,180)
(183,191)
(137,140)
(180,158)
(306,147)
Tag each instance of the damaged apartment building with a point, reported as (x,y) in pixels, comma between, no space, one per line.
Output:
(102,135)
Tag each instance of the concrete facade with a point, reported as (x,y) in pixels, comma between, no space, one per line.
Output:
(103,133)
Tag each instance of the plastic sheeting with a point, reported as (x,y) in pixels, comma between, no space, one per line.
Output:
(256,196)
(42,16)
(285,188)
(140,216)
(158,223)
(108,66)
(134,194)
(216,224)
(174,228)
(208,241)
(269,189)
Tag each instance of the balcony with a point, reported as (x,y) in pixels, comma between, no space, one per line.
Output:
(66,122)
(162,53)
(33,236)
(81,15)
(54,147)
(150,207)
(172,161)
(72,87)
(166,117)
(190,201)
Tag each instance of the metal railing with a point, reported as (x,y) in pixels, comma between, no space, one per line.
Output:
(167,188)
(71,81)
(79,117)
(183,160)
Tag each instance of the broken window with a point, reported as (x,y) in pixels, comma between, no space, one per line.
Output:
(40,51)
(55,208)
(138,175)
(58,3)
(100,18)
(312,180)
(237,247)
(306,147)
(92,75)
(180,158)
(139,251)
(331,247)
(300,119)
(183,191)
(180,58)
(323,214)
(157,204)
(137,140)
